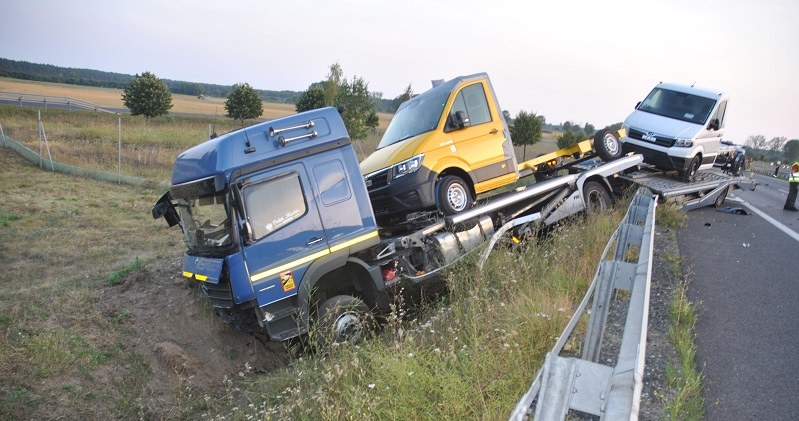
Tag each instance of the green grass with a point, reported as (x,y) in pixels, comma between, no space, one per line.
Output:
(121,274)
(683,378)
(471,354)
(670,215)
(7,218)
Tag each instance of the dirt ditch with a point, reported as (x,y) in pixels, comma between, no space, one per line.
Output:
(177,333)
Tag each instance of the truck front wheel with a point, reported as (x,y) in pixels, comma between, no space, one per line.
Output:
(597,198)
(342,319)
(607,145)
(454,195)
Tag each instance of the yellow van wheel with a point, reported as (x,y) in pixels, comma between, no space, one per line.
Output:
(454,195)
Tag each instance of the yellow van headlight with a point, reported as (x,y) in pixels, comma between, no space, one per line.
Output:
(407,167)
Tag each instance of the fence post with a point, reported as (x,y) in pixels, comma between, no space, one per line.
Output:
(119,145)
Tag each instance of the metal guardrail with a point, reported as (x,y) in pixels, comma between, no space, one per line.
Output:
(583,384)
(44,100)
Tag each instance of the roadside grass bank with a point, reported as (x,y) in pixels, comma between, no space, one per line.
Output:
(470,354)
(62,240)
(684,379)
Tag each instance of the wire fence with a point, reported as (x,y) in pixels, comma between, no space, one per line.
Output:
(49,100)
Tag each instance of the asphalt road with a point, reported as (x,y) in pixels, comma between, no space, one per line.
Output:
(744,274)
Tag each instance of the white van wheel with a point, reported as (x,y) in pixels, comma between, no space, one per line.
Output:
(690,173)
(607,145)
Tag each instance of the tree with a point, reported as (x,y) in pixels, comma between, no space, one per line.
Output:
(569,138)
(526,130)
(356,103)
(334,81)
(311,99)
(243,103)
(404,96)
(147,95)
(775,144)
(756,141)
(791,150)
(589,130)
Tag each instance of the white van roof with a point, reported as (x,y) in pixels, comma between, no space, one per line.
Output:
(694,90)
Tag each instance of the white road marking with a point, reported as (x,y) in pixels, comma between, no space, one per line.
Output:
(791,233)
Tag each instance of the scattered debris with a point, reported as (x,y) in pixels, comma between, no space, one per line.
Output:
(733,210)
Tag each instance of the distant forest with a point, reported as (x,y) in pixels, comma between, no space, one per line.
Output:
(87,77)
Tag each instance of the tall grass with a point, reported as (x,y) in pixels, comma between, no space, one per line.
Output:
(471,354)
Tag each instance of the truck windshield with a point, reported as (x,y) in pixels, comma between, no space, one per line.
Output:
(205,222)
(678,105)
(419,115)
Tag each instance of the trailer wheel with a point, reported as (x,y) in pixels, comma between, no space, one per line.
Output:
(607,145)
(597,198)
(690,173)
(722,197)
(342,319)
(737,163)
(454,195)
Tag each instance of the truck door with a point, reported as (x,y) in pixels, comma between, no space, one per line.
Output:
(484,143)
(285,233)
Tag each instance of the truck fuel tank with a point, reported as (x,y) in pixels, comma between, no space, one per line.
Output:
(452,246)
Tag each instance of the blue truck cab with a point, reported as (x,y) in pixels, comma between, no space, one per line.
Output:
(274,216)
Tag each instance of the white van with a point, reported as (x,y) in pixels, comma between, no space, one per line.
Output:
(677,127)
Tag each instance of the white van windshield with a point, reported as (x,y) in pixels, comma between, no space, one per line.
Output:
(678,105)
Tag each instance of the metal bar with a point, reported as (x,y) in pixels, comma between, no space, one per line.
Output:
(273,131)
(612,393)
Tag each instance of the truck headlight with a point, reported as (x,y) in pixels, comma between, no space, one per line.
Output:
(683,143)
(407,167)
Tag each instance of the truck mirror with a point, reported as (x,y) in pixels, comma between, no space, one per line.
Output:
(165,208)
(714,124)
(638,104)
(460,120)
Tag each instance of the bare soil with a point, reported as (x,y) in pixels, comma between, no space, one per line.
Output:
(177,333)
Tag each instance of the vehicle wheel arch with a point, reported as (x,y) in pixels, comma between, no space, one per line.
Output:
(601,180)
(460,174)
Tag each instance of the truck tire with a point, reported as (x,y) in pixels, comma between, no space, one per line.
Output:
(454,195)
(607,145)
(342,319)
(690,173)
(597,198)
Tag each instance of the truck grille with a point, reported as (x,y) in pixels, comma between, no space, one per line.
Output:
(377,180)
(659,140)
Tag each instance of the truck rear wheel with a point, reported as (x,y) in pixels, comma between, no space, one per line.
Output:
(454,195)
(607,145)
(597,198)
(342,319)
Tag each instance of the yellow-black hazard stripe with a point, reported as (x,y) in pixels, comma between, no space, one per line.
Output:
(305,259)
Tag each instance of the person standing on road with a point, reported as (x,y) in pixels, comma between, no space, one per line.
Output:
(793,187)
(777,170)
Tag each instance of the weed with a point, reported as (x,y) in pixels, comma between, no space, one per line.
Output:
(7,218)
(684,378)
(670,215)
(119,275)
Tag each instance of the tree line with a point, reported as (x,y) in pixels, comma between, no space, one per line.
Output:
(776,149)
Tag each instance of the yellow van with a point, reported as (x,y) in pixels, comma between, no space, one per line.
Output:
(441,149)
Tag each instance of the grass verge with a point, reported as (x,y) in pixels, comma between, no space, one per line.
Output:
(687,402)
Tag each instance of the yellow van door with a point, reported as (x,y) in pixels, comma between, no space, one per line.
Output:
(482,144)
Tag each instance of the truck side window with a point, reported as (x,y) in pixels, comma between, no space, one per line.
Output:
(331,180)
(274,203)
(472,101)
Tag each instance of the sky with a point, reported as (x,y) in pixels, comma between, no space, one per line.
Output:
(579,61)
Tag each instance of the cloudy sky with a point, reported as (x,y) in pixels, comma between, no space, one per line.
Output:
(582,61)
